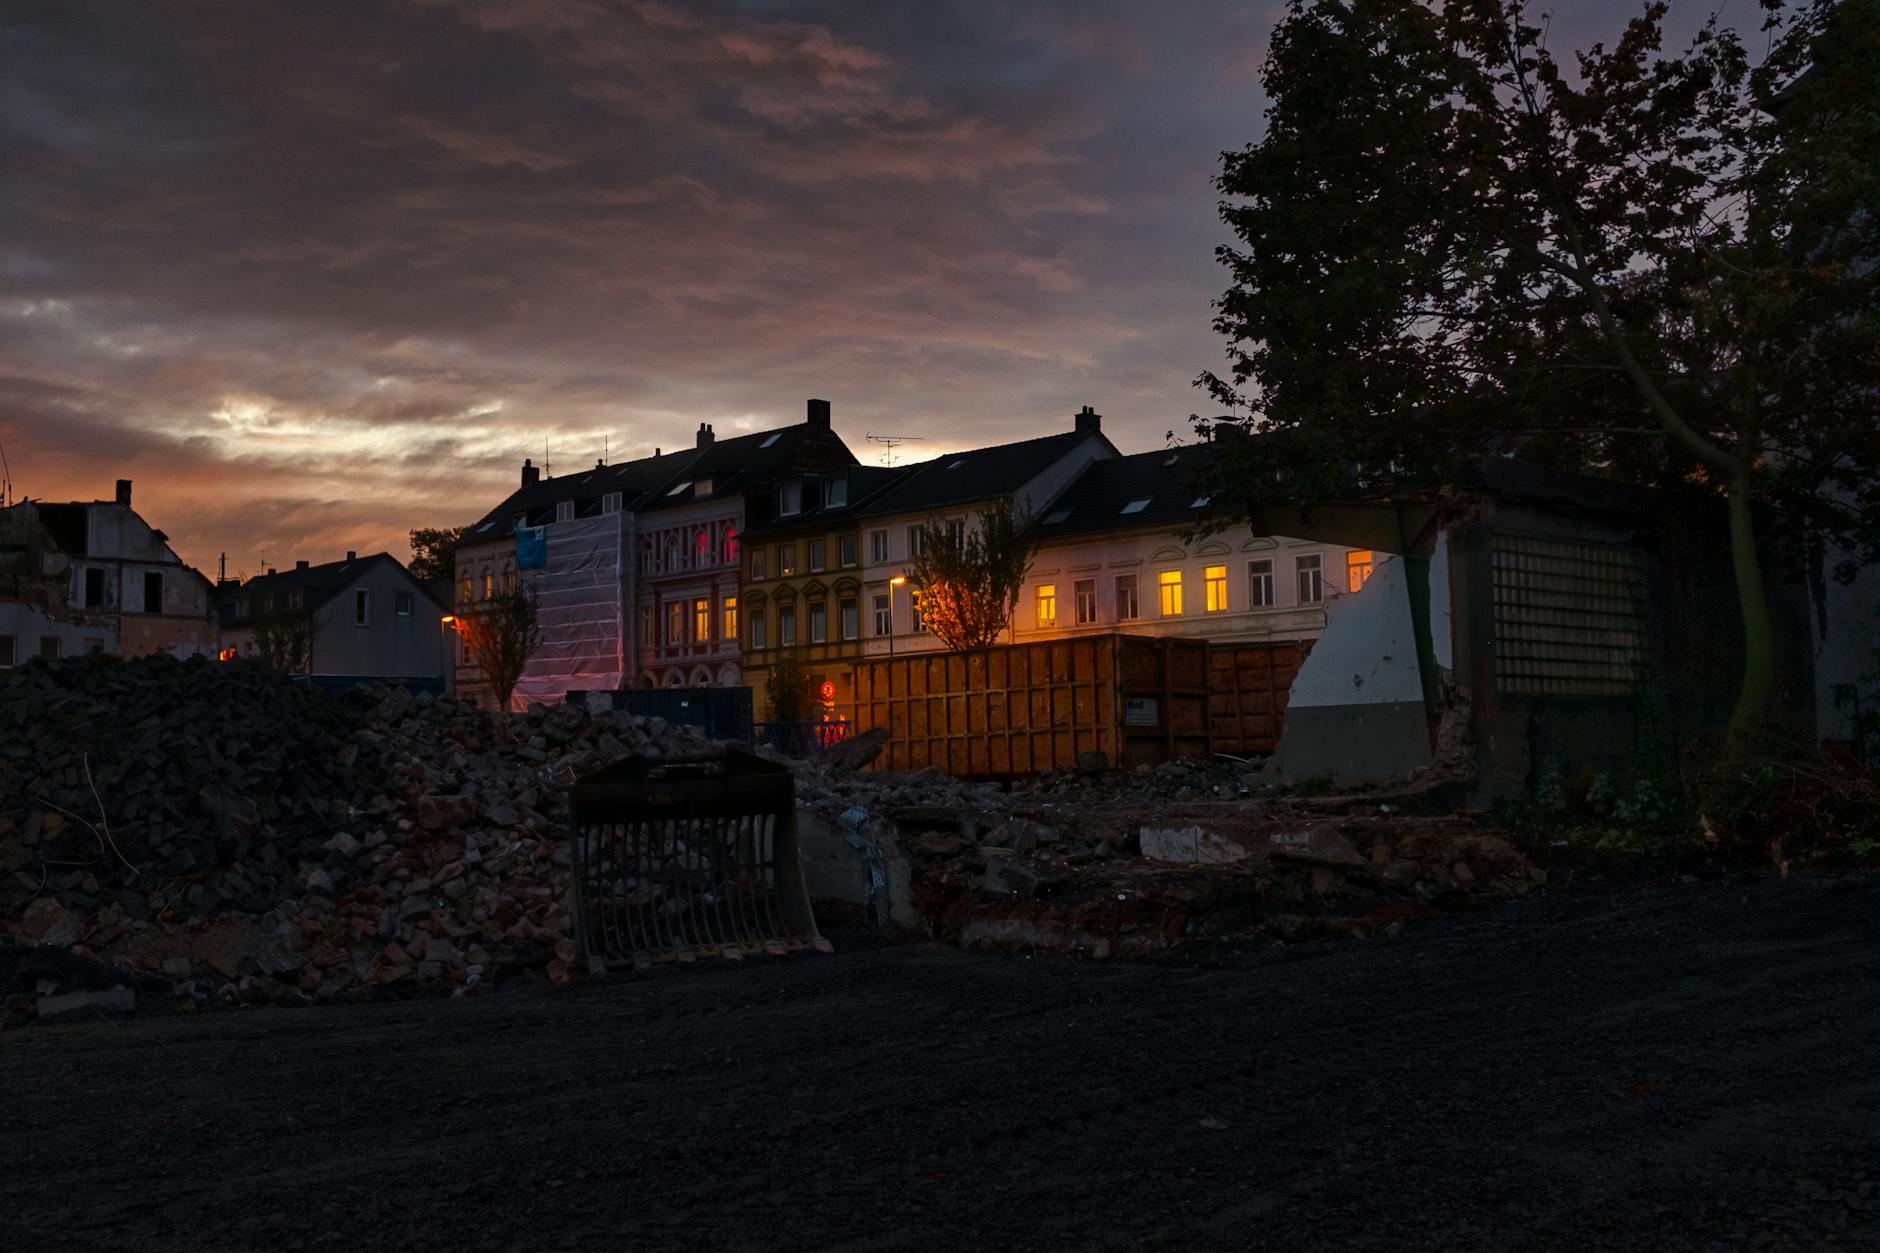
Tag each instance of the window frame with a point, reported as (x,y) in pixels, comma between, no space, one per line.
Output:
(1132,585)
(1044,607)
(884,614)
(846,551)
(1083,601)
(1214,589)
(362,607)
(878,545)
(1168,593)
(403,603)
(1312,564)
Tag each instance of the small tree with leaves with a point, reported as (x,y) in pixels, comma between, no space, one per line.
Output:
(969,578)
(786,687)
(500,636)
(434,553)
(284,639)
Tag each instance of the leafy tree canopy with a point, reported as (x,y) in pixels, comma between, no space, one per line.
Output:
(434,553)
(969,578)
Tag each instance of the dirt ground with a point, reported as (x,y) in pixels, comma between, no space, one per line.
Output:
(1689,1065)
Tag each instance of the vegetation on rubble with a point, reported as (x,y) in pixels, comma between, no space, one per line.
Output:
(500,636)
(1653,266)
(786,688)
(969,578)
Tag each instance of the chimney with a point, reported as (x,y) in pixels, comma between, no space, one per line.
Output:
(351,555)
(1089,421)
(818,415)
(705,436)
(530,474)
(270,569)
(124,492)
(300,565)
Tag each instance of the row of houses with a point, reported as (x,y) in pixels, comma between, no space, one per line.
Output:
(93,576)
(700,567)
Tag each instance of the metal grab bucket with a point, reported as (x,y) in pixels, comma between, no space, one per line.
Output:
(678,857)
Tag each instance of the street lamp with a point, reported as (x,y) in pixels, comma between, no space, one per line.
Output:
(893,583)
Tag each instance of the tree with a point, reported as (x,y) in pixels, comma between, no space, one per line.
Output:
(434,553)
(969,578)
(786,687)
(284,639)
(1654,267)
(500,636)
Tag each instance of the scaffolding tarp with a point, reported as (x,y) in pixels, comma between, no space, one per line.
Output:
(580,594)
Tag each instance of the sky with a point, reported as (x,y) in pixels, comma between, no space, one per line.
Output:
(315,274)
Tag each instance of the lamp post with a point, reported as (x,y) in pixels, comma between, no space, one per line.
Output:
(893,583)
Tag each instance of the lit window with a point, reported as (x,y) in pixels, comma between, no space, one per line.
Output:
(1359,564)
(1047,605)
(1214,588)
(675,622)
(1260,584)
(1169,586)
(1084,601)
(731,618)
(789,498)
(786,560)
(509,579)
(463,595)
(818,622)
(701,620)
(731,545)
(1311,576)
(701,550)
(759,562)
(786,626)
(817,550)
(1138,505)
(1126,610)
(877,545)
(845,550)
(884,616)
(489,584)
(851,619)
(913,613)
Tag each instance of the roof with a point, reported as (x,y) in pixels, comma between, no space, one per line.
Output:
(865,484)
(1161,489)
(316,584)
(976,474)
(537,501)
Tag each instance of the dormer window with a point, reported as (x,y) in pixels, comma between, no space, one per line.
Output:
(789,498)
(836,492)
(610,503)
(702,487)
(564,511)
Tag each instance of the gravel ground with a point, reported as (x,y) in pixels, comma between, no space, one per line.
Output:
(1660,1067)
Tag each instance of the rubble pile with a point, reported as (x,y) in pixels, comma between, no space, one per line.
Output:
(252,839)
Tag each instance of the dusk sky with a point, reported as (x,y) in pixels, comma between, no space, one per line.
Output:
(315,274)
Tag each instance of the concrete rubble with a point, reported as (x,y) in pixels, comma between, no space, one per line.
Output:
(245,840)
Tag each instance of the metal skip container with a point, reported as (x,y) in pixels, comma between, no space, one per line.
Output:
(681,857)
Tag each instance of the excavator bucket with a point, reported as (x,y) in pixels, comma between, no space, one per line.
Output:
(677,858)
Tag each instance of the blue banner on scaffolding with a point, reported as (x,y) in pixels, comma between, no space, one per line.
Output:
(531,547)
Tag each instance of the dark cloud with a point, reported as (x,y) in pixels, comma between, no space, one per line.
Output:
(315,274)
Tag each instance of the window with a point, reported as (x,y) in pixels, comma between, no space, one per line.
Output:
(1214,588)
(701,550)
(489,584)
(401,604)
(836,492)
(789,498)
(1169,587)
(610,502)
(678,488)
(564,511)
(1125,597)
(1359,563)
(786,626)
(914,534)
(913,613)
(1056,516)
(94,589)
(50,647)
(1311,579)
(851,618)
(759,560)
(672,553)
(1201,502)
(845,551)
(818,622)
(884,615)
(956,531)
(675,622)
(731,545)
(701,620)
(774,437)
(646,626)
(877,546)
(1260,584)
(463,594)
(731,619)
(786,560)
(758,637)
(6,652)
(153,591)
(241,604)
(521,520)
(1084,601)
(817,550)
(509,579)
(1047,605)
(362,607)
(1138,505)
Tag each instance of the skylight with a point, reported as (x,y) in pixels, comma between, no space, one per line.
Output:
(1172,459)
(1201,502)
(957,464)
(774,437)
(676,488)
(486,526)
(1056,516)
(1138,505)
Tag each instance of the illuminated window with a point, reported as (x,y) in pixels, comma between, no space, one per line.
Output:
(884,617)
(1047,605)
(1311,576)
(845,551)
(1260,584)
(920,624)
(1084,601)
(701,620)
(701,550)
(851,618)
(1359,563)
(877,545)
(818,550)
(509,579)
(818,622)
(786,560)
(1169,586)
(758,563)
(731,619)
(1126,610)
(1214,588)
(786,626)
(675,622)
(489,584)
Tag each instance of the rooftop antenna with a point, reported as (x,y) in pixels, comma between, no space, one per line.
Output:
(606,448)
(6,480)
(891,442)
